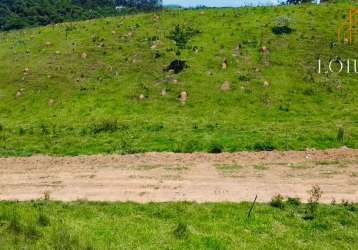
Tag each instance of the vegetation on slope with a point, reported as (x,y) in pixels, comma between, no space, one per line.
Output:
(101,86)
(81,225)
(17,14)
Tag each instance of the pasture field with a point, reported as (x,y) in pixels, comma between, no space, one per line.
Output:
(100,86)
(83,225)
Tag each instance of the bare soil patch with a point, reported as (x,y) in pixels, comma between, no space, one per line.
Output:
(200,177)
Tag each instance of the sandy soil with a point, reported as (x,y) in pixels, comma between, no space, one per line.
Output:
(200,177)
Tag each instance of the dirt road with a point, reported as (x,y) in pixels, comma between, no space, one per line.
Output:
(200,177)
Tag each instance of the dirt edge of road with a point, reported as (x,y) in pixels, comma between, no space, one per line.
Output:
(166,177)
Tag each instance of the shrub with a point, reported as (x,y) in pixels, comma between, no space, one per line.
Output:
(215,148)
(282,26)
(294,201)
(264,146)
(43,220)
(277,201)
(106,126)
(312,205)
(62,238)
(15,226)
(191,146)
(181,35)
(32,233)
(340,135)
(181,231)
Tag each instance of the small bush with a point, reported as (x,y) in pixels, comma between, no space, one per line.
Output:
(277,201)
(181,231)
(106,126)
(264,146)
(32,233)
(43,220)
(349,205)
(215,148)
(340,135)
(294,201)
(62,238)
(181,35)
(15,226)
(312,205)
(191,146)
(282,26)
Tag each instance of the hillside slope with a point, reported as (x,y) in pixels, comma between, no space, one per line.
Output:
(98,86)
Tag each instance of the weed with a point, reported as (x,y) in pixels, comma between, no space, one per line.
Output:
(264,146)
(349,205)
(340,135)
(260,167)
(47,195)
(31,232)
(181,231)
(312,205)
(215,148)
(228,168)
(277,201)
(106,126)
(62,238)
(282,26)
(43,219)
(294,201)
(15,226)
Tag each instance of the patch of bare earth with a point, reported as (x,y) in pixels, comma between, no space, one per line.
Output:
(200,177)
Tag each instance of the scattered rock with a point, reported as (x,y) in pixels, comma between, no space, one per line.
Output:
(183,97)
(51,102)
(225,64)
(48,44)
(57,52)
(163,92)
(175,81)
(18,94)
(264,50)
(177,66)
(226,86)
(266,84)
(141,97)
(210,73)
(346,41)
(113,32)
(26,71)
(84,55)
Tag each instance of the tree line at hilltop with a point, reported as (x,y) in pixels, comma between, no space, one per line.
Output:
(17,14)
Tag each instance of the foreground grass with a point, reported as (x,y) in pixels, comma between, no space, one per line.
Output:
(51,225)
(52,101)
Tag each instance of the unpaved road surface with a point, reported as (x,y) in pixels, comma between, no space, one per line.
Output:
(162,177)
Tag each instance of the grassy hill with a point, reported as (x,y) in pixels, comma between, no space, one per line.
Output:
(95,86)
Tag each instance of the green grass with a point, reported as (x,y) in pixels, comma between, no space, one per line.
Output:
(80,225)
(228,168)
(94,105)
